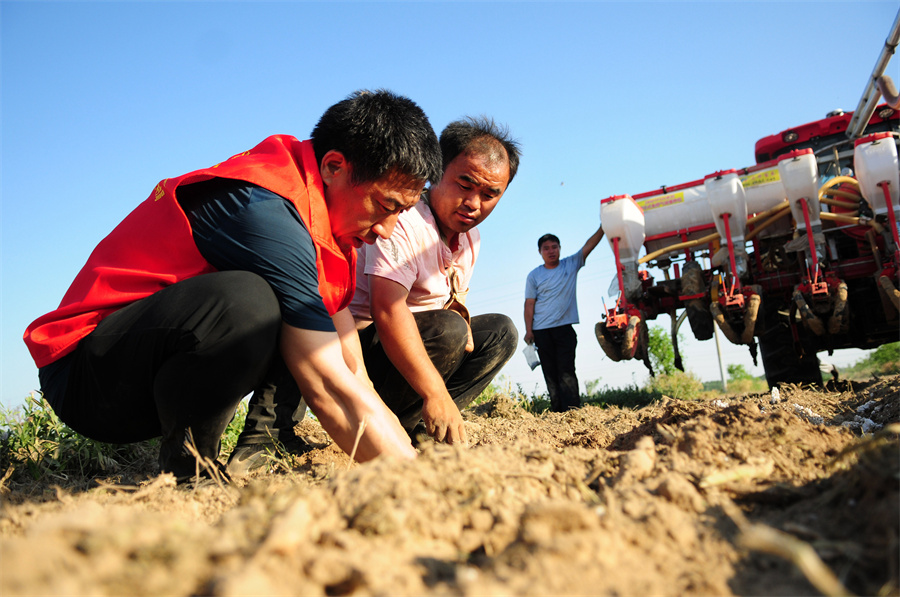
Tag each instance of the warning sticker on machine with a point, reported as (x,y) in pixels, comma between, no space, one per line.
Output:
(759,178)
(658,201)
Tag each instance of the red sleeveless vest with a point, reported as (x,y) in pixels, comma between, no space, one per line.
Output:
(153,247)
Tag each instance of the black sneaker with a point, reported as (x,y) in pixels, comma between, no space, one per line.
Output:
(216,474)
(419,434)
(178,459)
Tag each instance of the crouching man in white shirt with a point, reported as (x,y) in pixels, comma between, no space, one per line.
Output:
(426,357)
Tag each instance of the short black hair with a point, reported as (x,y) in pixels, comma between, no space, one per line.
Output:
(547,237)
(479,135)
(379,131)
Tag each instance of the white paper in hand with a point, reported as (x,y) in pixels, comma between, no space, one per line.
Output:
(531,356)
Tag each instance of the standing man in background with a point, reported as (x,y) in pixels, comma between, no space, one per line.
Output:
(551,308)
(426,362)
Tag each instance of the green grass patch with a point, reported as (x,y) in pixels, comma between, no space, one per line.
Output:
(631,396)
(230,436)
(35,444)
(884,360)
(534,403)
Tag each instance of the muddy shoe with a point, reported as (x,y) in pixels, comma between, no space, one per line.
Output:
(215,474)
(249,458)
(419,434)
(178,455)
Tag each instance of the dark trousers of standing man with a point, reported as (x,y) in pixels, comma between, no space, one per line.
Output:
(175,362)
(466,374)
(556,349)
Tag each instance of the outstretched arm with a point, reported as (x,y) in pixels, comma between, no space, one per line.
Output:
(349,410)
(592,243)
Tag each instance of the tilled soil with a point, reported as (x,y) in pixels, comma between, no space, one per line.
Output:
(742,496)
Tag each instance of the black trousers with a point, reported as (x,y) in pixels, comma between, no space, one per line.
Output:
(466,374)
(556,349)
(181,359)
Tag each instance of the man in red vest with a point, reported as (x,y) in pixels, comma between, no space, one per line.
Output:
(235,279)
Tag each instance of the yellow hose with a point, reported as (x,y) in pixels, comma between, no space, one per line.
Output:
(774,218)
(777,210)
(851,220)
(839,193)
(839,203)
(678,247)
(765,214)
(840,180)
(840,218)
(782,209)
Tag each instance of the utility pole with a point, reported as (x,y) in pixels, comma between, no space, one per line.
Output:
(719,353)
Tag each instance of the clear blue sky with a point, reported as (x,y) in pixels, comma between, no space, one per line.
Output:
(100,100)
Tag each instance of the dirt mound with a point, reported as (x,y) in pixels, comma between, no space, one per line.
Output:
(678,498)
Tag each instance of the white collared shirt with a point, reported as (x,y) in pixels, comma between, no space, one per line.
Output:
(415,257)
